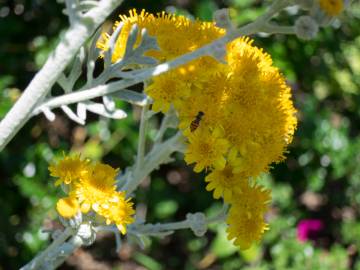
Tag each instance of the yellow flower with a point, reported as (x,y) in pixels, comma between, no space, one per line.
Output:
(208,96)
(118,210)
(207,149)
(332,7)
(69,169)
(248,96)
(225,182)
(246,216)
(175,35)
(95,187)
(167,89)
(259,117)
(67,207)
(245,231)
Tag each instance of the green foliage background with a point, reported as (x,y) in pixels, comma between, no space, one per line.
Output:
(320,179)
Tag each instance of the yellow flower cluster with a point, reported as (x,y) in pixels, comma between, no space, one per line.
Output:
(91,187)
(332,7)
(238,117)
(246,216)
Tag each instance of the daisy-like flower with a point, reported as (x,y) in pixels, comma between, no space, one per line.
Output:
(245,231)
(69,169)
(207,149)
(225,182)
(246,216)
(167,89)
(332,7)
(198,101)
(95,187)
(67,207)
(118,211)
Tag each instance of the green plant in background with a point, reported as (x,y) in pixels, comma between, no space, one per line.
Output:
(316,186)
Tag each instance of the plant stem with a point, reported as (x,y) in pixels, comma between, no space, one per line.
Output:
(153,229)
(138,76)
(37,262)
(142,137)
(278,29)
(163,128)
(64,252)
(41,84)
(157,156)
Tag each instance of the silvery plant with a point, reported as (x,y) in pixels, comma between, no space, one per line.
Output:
(77,51)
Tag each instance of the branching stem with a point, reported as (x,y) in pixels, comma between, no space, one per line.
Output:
(157,156)
(41,84)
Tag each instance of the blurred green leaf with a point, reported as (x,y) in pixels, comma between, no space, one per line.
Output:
(147,261)
(221,246)
(166,208)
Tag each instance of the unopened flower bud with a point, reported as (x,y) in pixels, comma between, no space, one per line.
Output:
(197,223)
(306,28)
(76,220)
(73,222)
(87,233)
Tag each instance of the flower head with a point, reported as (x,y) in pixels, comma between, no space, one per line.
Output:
(246,216)
(225,182)
(96,186)
(243,230)
(118,210)
(207,149)
(67,207)
(167,89)
(332,7)
(175,35)
(259,119)
(69,169)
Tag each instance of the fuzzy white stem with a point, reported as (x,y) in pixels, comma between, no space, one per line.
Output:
(41,84)
(37,262)
(154,229)
(157,156)
(164,126)
(94,92)
(71,7)
(139,76)
(142,137)
(278,29)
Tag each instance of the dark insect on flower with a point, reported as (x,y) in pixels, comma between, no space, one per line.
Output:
(196,122)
